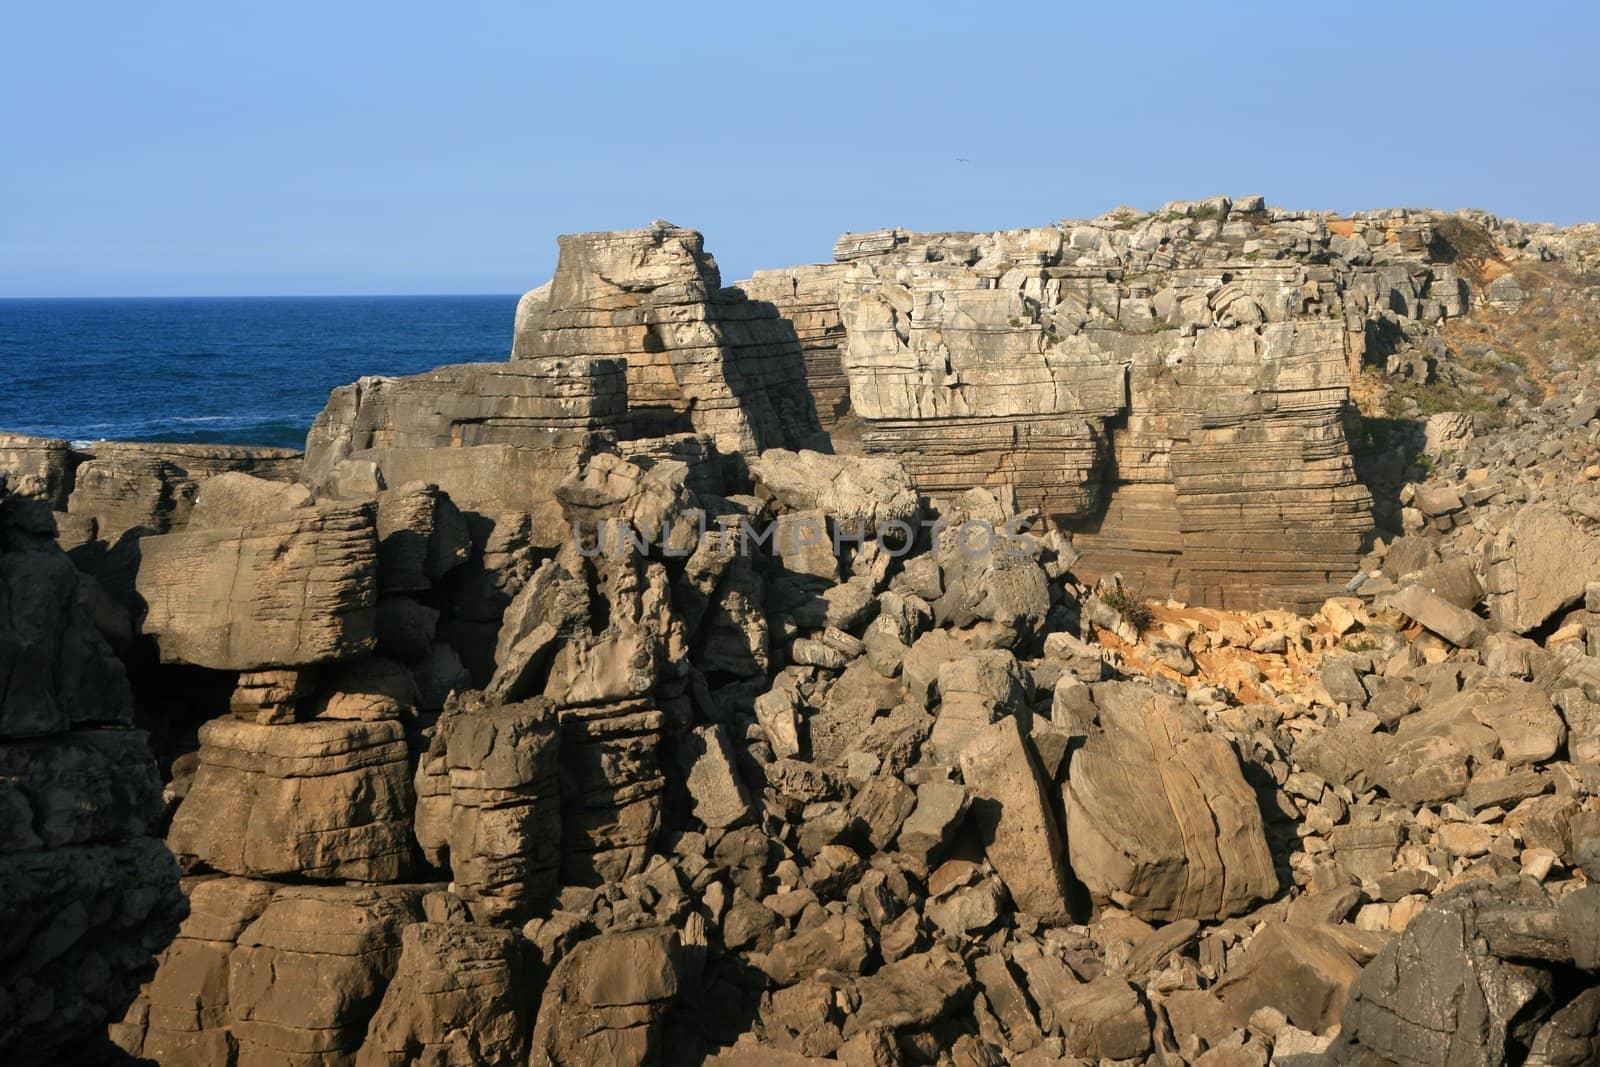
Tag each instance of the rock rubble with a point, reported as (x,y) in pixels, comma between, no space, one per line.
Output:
(589,708)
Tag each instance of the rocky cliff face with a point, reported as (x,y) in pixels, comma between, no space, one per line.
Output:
(89,893)
(562,711)
(1170,385)
(700,358)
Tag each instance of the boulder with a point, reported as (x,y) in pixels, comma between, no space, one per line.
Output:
(306,977)
(1528,727)
(1303,971)
(460,994)
(495,438)
(1461,628)
(1160,820)
(931,827)
(422,536)
(864,496)
(998,593)
(282,592)
(1428,759)
(838,943)
(1538,565)
(912,992)
(717,795)
(322,800)
(606,998)
(1435,995)
(1104,1019)
(1015,820)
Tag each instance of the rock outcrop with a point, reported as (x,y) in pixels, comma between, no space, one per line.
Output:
(1169,385)
(287,590)
(635,340)
(88,895)
(585,708)
(264,974)
(322,800)
(700,358)
(495,437)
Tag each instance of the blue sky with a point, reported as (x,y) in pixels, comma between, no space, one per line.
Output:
(156,148)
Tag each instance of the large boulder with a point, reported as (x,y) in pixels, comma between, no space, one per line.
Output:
(1160,820)
(460,995)
(1445,991)
(1528,727)
(1303,971)
(862,495)
(606,999)
(321,800)
(292,589)
(307,975)
(993,588)
(264,974)
(1539,564)
(1015,820)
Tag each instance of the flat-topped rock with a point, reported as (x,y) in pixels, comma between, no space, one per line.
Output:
(291,590)
(699,358)
(325,800)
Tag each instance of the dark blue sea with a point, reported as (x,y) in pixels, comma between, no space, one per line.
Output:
(251,370)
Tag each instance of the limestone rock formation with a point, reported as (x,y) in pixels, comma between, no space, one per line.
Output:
(287,590)
(1169,385)
(1159,819)
(495,437)
(605,1001)
(633,341)
(1014,816)
(570,710)
(262,974)
(699,358)
(40,468)
(863,497)
(126,486)
(87,893)
(459,995)
(326,800)
(505,808)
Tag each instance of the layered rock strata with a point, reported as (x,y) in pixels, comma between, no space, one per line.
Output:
(88,894)
(700,358)
(281,591)
(633,345)
(830,797)
(1171,386)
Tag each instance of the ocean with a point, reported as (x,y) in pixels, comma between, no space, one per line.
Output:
(236,370)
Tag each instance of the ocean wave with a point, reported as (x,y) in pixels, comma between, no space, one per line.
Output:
(181,428)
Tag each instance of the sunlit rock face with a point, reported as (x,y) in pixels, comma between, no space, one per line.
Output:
(1170,387)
